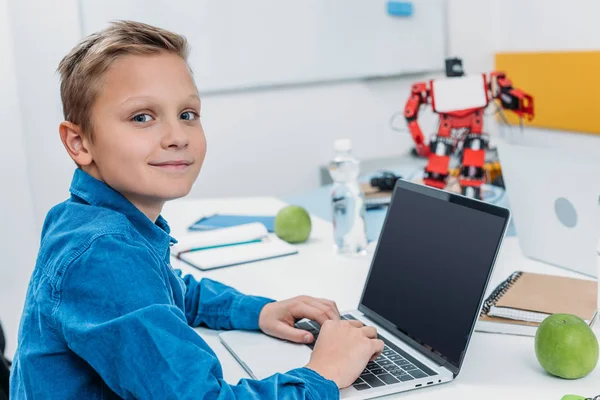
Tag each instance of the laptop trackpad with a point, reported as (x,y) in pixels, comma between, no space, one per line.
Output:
(264,355)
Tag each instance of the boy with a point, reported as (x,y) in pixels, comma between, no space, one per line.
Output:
(105,315)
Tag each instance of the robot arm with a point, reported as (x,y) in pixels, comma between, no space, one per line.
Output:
(419,95)
(511,98)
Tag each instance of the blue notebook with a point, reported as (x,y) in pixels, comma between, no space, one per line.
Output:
(218,221)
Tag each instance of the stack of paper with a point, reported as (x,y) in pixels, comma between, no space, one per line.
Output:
(518,315)
(230,246)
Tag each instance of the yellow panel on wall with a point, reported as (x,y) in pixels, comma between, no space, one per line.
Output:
(565,87)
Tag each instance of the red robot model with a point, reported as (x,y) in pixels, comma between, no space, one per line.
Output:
(460,102)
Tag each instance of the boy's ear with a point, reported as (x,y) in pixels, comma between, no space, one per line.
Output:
(76,144)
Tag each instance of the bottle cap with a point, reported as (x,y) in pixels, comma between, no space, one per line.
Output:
(342,145)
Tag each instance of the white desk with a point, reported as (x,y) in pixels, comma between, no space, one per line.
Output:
(496,366)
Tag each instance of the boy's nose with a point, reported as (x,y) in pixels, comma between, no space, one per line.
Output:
(175,137)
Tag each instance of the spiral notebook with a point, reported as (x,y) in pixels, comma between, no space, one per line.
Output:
(520,303)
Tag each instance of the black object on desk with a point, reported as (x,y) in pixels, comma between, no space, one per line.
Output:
(385,181)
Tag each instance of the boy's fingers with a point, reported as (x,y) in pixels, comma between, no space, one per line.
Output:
(356,323)
(378,346)
(331,304)
(326,308)
(370,332)
(305,310)
(286,332)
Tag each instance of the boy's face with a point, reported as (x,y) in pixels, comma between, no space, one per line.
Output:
(148,140)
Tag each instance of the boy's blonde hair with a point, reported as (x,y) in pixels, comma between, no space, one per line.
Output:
(81,70)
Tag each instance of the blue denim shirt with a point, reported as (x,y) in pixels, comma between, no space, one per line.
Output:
(107,317)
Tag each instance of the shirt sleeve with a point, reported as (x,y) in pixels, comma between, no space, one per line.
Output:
(218,306)
(117,313)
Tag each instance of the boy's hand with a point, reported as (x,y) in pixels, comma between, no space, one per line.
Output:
(343,350)
(277,319)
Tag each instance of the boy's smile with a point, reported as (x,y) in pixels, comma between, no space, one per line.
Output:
(147,141)
(175,165)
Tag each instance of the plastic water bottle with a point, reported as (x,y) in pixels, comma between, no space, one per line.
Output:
(347,201)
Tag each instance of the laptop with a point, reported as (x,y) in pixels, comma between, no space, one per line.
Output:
(554,198)
(423,293)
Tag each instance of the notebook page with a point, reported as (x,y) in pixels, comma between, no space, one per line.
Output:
(219,237)
(270,247)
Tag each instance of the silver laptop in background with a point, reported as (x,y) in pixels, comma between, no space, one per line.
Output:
(423,293)
(554,198)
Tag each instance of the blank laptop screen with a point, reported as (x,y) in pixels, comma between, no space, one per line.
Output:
(430,270)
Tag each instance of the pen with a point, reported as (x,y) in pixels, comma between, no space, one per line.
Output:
(224,245)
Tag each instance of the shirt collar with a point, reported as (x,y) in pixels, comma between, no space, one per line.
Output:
(98,193)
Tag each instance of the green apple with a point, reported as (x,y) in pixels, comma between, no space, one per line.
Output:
(293,224)
(566,346)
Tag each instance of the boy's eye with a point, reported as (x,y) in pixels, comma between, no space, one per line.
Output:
(188,115)
(142,118)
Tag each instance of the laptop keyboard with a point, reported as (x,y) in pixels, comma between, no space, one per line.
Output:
(394,365)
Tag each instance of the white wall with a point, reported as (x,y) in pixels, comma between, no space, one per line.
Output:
(18,243)
(479,29)
(43,31)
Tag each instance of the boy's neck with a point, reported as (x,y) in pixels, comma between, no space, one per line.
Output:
(151,208)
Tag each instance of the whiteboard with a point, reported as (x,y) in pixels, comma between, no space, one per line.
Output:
(240,44)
